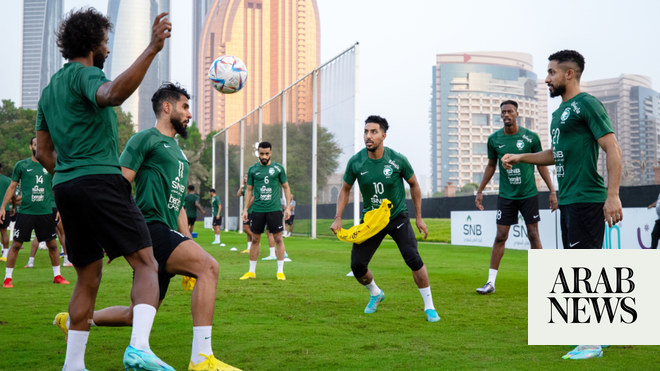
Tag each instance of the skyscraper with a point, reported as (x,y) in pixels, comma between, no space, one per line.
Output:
(200,9)
(467,91)
(634,109)
(41,57)
(279,41)
(132,33)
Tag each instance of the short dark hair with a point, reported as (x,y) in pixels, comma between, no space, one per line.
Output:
(569,56)
(167,92)
(212,190)
(81,32)
(265,145)
(378,120)
(191,187)
(32,139)
(511,102)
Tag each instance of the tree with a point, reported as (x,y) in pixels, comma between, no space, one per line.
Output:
(17,127)
(124,127)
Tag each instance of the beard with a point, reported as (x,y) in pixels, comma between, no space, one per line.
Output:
(557,91)
(264,161)
(179,127)
(99,60)
(34,153)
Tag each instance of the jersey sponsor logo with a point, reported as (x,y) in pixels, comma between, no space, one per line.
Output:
(387,171)
(575,107)
(528,139)
(520,144)
(565,115)
(396,166)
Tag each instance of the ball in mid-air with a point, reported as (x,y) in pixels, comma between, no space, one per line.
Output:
(228,74)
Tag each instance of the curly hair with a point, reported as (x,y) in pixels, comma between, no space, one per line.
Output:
(170,92)
(81,32)
(373,119)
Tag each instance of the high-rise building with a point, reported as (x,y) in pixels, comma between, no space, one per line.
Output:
(466,95)
(41,57)
(132,21)
(279,41)
(200,9)
(634,109)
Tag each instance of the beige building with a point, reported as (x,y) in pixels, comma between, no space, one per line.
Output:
(279,42)
(467,91)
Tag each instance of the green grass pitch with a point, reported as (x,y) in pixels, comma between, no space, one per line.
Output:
(312,321)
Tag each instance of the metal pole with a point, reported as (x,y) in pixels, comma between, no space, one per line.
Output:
(213,162)
(284,129)
(226,179)
(315,133)
(356,140)
(241,174)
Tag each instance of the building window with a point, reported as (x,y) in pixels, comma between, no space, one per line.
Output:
(480,119)
(479,148)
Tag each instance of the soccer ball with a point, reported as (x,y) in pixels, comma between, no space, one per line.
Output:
(228,74)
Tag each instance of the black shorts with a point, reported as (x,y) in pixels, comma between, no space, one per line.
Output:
(582,225)
(290,220)
(5,224)
(271,219)
(165,240)
(217,221)
(249,218)
(191,221)
(44,227)
(100,214)
(401,232)
(507,210)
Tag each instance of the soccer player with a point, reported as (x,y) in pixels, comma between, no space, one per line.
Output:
(246,224)
(216,207)
(154,161)
(4,224)
(77,141)
(380,172)
(265,180)
(289,222)
(579,127)
(35,213)
(191,204)
(518,191)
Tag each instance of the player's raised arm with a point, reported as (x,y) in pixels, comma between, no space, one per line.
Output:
(538,158)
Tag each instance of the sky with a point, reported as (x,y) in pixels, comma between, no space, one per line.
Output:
(399,41)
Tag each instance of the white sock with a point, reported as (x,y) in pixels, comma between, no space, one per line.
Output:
(66,259)
(31,260)
(75,350)
(373,288)
(253,266)
(217,238)
(249,245)
(5,252)
(492,275)
(428,298)
(56,270)
(9,272)
(272,251)
(201,343)
(143,319)
(280,266)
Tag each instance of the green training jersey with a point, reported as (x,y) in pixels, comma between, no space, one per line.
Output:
(189,204)
(519,182)
(266,181)
(215,204)
(36,187)
(5,181)
(162,175)
(575,129)
(84,134)
(380,179)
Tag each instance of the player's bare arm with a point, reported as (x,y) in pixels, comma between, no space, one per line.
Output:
(612,208)
(128,174)
(287,195)
(46,154)
(249,197)
(114,93)
(488,174)
(538,158)
(545,175)
(9,194)
(342,201)
(416,194)
(182,223)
